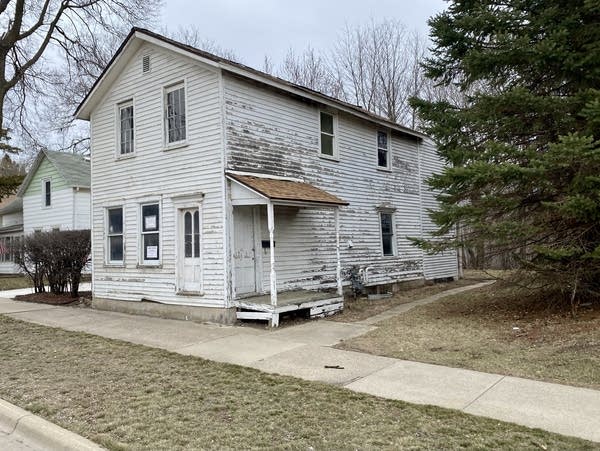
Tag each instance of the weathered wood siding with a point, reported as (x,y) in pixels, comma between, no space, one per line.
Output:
(272,133)
(155,174)
(443,265)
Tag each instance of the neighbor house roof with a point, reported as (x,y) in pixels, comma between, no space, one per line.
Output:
(11,204)
(142,35)
(74,169)
(287,190)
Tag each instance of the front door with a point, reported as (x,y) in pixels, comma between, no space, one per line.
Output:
(189,239)
(244,252)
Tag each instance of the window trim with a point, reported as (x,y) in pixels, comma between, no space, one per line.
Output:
(335,156)
(394,247)
(388,167)
(107,259)
(141,260)
(166,89)
(118,106)
(45,193)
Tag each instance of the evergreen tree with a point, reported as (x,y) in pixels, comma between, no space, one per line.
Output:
(524,153)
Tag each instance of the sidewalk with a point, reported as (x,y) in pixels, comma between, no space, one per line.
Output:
(306,351)
(10,294)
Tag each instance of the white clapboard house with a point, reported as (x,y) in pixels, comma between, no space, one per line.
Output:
(218,189)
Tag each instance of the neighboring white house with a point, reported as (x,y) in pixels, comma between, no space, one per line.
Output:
(11,231)
(218,188)
(56,193)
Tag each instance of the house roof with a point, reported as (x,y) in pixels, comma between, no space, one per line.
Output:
(128,47)
(11,204)
(74,169)
(287,190)
(15,228)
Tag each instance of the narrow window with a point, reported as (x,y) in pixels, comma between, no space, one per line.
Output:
(387,233)
(175,114)
(191,231)
(150,232)
(196,234)
(327,134)
(115,235)
(383,154)
(47,193)
(126,128)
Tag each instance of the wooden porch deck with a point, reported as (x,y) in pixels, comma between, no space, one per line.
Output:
(259,307)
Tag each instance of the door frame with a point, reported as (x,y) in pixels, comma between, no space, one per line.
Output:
(185,203)
(258,270)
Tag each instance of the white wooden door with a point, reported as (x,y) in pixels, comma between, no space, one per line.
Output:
(189,239)
(244,252)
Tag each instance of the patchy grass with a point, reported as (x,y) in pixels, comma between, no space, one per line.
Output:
(362,308)
(126,396)
(14,282)
(496,329)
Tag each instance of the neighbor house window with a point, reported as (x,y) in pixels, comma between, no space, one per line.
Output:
(386,221)
(175,113)
(8,248)
(115,235)
(328,144)
(126,128)
(47,193)
(150,232)
(383,150)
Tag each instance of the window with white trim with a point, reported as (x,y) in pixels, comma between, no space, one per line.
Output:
(150,231)
(327,137)
(47,193)
(114,235)
(126,129)
(386,223)
(175,114)
(383,150)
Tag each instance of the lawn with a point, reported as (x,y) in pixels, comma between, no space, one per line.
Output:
(126,396)
(496,329)
(13,282)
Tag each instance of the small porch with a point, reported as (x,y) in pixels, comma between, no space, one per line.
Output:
(256,199)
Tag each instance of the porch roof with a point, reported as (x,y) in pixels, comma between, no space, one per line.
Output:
(286,190)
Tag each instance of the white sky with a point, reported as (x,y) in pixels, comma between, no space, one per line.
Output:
(253,29)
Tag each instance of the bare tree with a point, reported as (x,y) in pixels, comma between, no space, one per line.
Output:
(192,36)
(54,49)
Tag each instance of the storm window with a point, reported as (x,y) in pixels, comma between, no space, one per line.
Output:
(175,114)
(126,128)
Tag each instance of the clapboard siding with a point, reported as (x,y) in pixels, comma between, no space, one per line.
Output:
(59,215)
(81,214)
(444,264)
(155,174)
(272,133)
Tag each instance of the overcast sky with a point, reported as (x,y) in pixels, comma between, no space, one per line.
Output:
(253,29)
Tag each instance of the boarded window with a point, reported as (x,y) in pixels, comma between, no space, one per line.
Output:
(387,233)
(115,235)
(126,128)
(327,134)
(383,157)
(151,232)
(175,114)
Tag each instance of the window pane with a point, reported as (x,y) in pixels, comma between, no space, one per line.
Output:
(382,157)
(151,246)
(327,123)
(388,248)
(115,220)
(187,219)
(126,119)
(386,223)
(326,144)
(387,233)
(382,140)
(48,192)
(150,217)
(116,248)
(196,234)
(176,115)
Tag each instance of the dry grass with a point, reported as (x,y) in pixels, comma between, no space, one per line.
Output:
(14,282)
(126,396)
(496,329)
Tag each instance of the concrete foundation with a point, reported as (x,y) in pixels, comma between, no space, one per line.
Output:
(168,311)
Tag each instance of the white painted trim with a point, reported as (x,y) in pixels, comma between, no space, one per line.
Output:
(44,180)
(392,213)
(258,259)
(335,136)
(273,274)
(117,126)
(107,260)
(165,90)
(180,207)
(388,167)
(141,261)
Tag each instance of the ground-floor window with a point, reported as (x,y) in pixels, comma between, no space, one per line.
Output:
(9,247)
(150,233)
(115,235)
(386,221)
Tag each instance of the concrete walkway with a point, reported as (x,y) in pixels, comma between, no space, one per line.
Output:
(306,351)
(10,294)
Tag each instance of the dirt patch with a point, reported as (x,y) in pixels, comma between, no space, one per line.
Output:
(53,299)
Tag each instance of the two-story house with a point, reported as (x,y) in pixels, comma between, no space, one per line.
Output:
(218,189)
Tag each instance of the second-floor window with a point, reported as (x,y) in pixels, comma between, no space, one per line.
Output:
(47,193)
(328,144)
(126,128)
(175,114)
(383,150)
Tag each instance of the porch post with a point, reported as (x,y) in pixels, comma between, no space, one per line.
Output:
(271,226)
(337,252)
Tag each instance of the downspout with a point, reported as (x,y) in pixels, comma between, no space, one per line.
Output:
(419,175)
